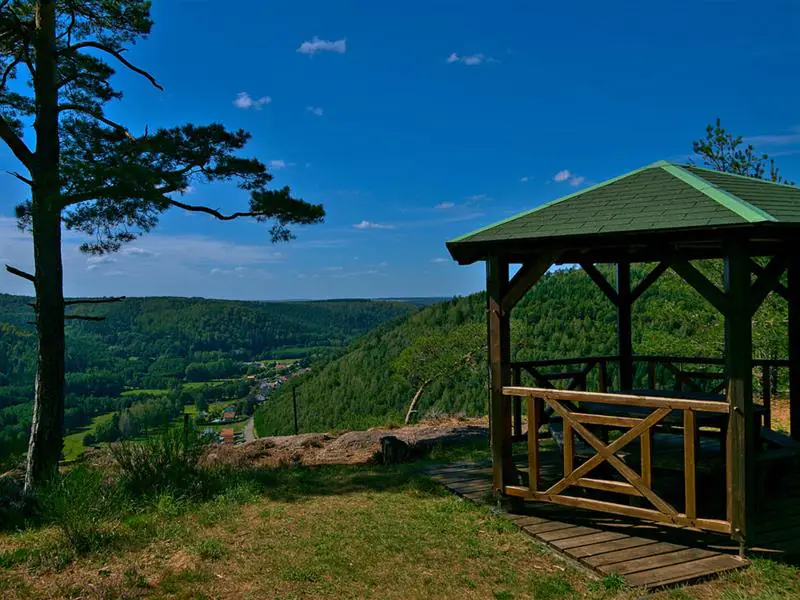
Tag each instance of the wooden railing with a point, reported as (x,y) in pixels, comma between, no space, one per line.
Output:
(639,484)
(679,373)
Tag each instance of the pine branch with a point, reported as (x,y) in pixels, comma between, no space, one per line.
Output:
(18,147)
(20,273)
(22,178)
(87,110)
(118,56)
(211,211)
(94,301)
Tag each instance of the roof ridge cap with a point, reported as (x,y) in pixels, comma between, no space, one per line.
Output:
(747,211)
(738,176)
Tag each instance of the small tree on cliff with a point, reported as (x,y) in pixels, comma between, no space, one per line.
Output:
(91,174)
(438,355)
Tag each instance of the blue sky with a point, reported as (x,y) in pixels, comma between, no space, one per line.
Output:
(416,122)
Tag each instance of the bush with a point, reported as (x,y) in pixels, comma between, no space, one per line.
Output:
(164,463)
(79,503)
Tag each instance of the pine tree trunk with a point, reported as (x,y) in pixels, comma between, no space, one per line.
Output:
(47,429)
(415,400)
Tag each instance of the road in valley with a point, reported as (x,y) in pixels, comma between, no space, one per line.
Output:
(250,430)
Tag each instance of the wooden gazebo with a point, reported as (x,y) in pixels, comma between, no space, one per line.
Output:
(670,215)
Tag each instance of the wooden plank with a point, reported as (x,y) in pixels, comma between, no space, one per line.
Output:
(605,485)
(588,540)
(608,420)
(624,325)
(598,549)
(600,281)
(659,561)
(499,367)
(652,548)
(564,534)
(689,461)
(620,399)
(548,526)
(646,445)
(685,572)
(738,352)
(534,463)
(569,448)
(649,280)
(779,289)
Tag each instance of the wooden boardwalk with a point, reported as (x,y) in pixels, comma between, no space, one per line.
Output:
(645,554)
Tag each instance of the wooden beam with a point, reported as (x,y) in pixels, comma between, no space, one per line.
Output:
(525,279)
(780,289)
(700,283)
(600,281)
(738,354)
(499,334)
(649,280)
(767,280)
(624,326)
(794,348)
(516,379)
(711,406)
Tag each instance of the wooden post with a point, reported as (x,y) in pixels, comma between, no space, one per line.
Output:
(294,408)
(499,337)
(766,394)
(603,376)
(739,361)
(794,349)
(516,379)
(624,334)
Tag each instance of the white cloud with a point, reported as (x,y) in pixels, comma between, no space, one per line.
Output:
(562,175)
(576,180)
(114,273)
(333,269)
(470,60)
(440,260)
(317,45)
(315,110)
(477,197)
(371,225)
(777,139)
(246,102)
(445,205)
(279,164)
(136,251)
(525,179)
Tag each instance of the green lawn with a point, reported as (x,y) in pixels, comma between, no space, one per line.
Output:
(73,443)
(327,532)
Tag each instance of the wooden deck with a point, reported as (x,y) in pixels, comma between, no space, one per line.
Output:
(645,554)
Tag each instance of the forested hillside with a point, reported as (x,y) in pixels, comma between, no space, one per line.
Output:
(565,315)
(157,342)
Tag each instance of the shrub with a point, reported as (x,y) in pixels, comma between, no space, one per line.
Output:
(79,503)
(167,462)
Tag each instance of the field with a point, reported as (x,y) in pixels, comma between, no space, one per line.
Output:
(73,443)
(329,532)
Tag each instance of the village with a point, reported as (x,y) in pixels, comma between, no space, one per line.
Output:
(231,421)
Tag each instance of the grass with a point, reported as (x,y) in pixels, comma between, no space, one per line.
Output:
(333,531)
(73,443)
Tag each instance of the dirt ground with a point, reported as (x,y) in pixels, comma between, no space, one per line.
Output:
(353,447)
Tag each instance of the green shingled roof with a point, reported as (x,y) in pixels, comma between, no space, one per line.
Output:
(659,197)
